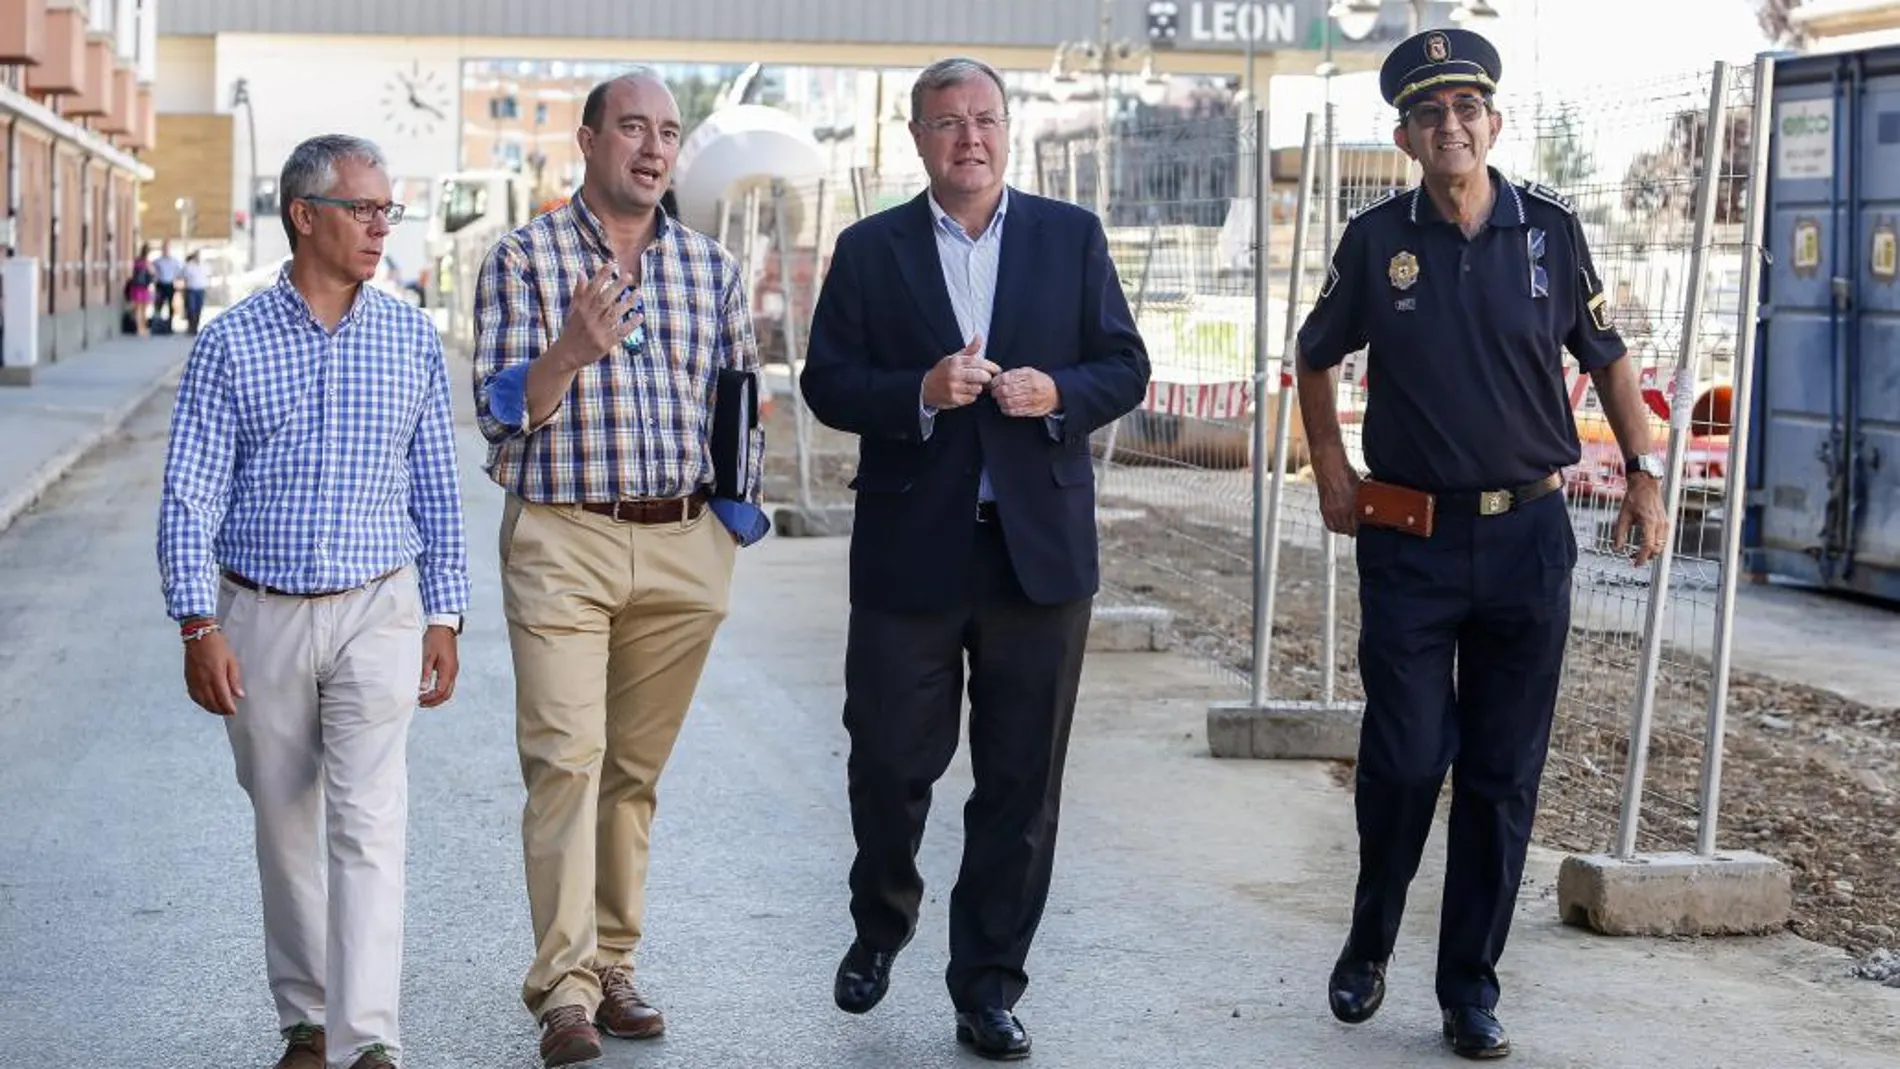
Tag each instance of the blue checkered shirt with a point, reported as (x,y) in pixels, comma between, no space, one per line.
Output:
(309,461)
(636,423)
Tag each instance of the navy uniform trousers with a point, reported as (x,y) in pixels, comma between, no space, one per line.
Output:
(1461,652)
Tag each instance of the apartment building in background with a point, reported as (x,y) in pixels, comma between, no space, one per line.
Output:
(76,81)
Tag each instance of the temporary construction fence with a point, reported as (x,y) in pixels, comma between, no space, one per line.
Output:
(1662,177)
(1666,209)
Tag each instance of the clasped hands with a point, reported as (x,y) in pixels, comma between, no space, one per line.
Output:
(961,377)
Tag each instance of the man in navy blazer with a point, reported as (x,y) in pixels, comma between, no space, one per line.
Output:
(972,338)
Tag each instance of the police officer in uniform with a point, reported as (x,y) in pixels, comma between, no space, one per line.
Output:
(1466,290)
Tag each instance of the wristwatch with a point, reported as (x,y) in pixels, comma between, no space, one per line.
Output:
(1647,463)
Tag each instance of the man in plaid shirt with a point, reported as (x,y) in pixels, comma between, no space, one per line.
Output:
(601,329)
(310,542)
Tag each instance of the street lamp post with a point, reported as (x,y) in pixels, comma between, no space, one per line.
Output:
(1356,18)
(241,98)
(1101,57)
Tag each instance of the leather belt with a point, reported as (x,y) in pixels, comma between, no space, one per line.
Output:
(261,588)
(652,510)
(1497,502)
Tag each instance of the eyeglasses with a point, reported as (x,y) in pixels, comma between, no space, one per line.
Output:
(363,210)
(1431,115)
(984,123)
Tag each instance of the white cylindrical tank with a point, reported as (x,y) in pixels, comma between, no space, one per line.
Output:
(742,147)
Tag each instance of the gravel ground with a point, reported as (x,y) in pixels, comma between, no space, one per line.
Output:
(1809,777)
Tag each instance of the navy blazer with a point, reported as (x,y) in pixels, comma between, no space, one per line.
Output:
(884,318)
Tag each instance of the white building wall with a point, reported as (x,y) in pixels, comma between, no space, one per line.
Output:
(304,86)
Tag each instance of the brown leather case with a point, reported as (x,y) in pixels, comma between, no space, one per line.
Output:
(1397,507)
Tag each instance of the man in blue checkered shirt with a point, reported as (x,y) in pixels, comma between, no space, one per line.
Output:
(311,546)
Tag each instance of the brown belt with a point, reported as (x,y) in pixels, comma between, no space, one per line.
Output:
(253,585)
(652,510)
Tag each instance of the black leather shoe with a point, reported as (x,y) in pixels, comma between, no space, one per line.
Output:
(1356,989)
(863,977)
(1475,1033)
(995,1033)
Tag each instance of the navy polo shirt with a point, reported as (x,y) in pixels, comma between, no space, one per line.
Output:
(1465,376)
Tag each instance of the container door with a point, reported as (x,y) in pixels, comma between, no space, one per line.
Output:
(1799,376)
(1871,480)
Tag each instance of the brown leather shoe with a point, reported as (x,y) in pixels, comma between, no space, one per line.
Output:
(568,1037)
(623,1013)
(303,1048)
(376,1057)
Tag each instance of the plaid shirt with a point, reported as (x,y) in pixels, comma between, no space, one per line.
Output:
(309,461)
(635,424)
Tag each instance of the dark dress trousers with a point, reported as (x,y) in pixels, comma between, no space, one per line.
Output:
(932,583)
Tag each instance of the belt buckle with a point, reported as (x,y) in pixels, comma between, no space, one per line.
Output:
(1494,502)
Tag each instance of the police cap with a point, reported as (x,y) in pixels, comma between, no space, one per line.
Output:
(1436,59)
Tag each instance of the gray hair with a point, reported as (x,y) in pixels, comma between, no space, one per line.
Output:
(948,72)
(311,171)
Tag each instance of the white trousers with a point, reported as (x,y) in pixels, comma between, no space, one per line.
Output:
(322,736)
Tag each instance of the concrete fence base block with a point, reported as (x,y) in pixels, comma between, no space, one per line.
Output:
(815,521)
(1129,629)
(1284,730)
(1735,893)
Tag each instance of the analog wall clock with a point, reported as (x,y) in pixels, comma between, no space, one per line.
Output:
(416,102)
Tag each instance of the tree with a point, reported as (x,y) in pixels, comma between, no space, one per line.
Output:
(1776,19)
(1662,182)
(696,96)
(1562,161)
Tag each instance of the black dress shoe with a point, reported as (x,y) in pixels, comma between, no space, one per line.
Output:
(863,977)
(1356,989)
(1475,1033)
(995,1033)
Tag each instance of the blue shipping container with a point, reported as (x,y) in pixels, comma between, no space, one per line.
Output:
(1824,485)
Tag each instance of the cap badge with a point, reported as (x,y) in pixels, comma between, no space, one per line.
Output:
(1437,48)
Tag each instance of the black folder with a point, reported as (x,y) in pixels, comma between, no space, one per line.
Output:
(735,416)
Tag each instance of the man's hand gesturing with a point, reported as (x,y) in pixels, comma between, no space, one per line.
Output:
(959,378)
(597,319)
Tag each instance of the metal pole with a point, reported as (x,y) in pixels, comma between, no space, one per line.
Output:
(1735,481)
(250,210)
(1141,301)
(724,217)
(789,331)
(1101,141)
(1329,542)
(1683,400)
(860,192)
(1075,164)
(1269,489)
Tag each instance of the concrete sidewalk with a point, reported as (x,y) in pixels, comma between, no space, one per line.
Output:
(1197,905)
(74,405)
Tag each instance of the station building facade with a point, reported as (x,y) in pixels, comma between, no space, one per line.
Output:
(450,86)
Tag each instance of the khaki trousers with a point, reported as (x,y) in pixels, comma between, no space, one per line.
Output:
(321,746)
(610,624)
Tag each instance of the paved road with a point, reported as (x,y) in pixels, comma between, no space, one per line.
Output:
(1197,903)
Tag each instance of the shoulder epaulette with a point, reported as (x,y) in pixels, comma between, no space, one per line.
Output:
(1389,196)
(1549,196)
